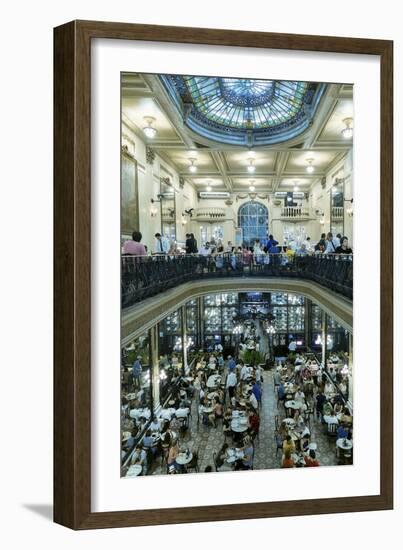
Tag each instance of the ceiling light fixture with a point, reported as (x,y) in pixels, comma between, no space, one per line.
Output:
(149,130)
(296,188)
(192,167)
(208,188)
(310,168)
(251,186)
(251,167)
(347,132)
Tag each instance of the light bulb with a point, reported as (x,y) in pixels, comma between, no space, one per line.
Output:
(347,133)
(150,132)
(310,169)
(251,168)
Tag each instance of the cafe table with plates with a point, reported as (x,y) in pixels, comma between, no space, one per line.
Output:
(184,458)
(239,422)
(233,454)
(344,444)
(134,470)
(213,381)
(140,413)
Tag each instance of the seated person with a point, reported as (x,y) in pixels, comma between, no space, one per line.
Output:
(174,425)
(311,460)
(172,455)
(254,423)
(299,395)
(148,443)
(281,392)
(346,417)
(288,445)
(221,456)
(304,443)
(342,432)
(155,425)
(248,453)
(140,457)
(327,408)
(287,461)
(218,411)
(338,407)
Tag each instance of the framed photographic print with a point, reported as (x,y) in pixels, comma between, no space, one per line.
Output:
(223,275)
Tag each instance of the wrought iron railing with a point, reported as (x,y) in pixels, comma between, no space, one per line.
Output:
(145,276)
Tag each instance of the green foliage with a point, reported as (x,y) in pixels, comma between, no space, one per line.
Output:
(252,357)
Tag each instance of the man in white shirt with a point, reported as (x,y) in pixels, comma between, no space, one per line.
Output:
(161,244)
(244,373)
(292,346)
(205,250)
(331,244)
(231,383)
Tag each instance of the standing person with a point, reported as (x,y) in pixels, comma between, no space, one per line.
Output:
(195,249)
(231,383)
(272,245)
(344,248)
(331,244)
(205,250)
(188,244)
(161,244)
(136,372)
(338,238)
(231,363)
(134,246)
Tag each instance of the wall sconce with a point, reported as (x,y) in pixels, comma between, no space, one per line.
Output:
(154,209)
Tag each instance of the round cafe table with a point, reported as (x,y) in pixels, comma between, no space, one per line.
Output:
(291,404)
(344,444)
(184,458)
(238,425)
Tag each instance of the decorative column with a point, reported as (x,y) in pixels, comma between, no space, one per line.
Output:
(184,338)
(155,367)
(350,368)
(324,338)
(307,320)
(201,321)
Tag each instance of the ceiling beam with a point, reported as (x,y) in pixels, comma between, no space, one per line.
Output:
(281,162)
(221,164)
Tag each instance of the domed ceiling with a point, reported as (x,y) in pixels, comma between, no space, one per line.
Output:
(244,111)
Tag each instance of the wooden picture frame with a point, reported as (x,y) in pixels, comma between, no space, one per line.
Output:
(72,274)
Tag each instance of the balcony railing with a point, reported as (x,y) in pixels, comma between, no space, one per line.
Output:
(295,212)
(145,276)
(337,212)
(210,213)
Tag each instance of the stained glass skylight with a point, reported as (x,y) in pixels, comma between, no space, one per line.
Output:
(237,110)
(246,103)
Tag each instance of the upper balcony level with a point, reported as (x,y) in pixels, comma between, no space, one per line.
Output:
(210,213)
(146,276)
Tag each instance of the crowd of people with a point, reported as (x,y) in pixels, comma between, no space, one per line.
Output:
(225,395)
(327,244)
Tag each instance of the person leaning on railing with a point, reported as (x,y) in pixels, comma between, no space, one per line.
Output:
(344,248)
(135,247)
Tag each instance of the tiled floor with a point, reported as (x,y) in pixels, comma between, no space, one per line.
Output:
(209,439)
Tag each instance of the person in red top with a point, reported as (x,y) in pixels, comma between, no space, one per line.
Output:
(254,423)
(311,459)
(287,460)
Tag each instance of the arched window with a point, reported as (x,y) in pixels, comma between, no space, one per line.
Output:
(253,218)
